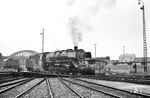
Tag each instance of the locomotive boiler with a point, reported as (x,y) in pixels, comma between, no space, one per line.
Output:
(65,55)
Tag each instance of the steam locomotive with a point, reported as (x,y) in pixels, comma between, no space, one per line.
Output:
(60,62)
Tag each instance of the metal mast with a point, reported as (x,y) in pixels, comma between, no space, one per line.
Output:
(123,50)
(95,50)
(42,40)
(144,36)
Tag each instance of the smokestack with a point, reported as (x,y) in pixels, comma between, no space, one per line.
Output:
(75,48)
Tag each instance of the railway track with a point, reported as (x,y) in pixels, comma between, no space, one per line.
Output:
(29,89)
(18,88)
(70,88)
(6,87)
(44,87)
(138,79)
(49,88)
(8,79)
(56,87)
(60,90)
(13,82)
(108,91)
(4,78)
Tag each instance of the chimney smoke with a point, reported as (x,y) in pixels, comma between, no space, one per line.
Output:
(75,48)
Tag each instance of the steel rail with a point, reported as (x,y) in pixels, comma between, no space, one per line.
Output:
(127,91)
(49,88)
(71,88)
(15,82)
(94,89)
(134,80)
(9,88)
(3,78)
(29,89)
(109,87)
(11,79)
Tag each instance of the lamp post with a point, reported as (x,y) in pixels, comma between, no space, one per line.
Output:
(42,40)
(144,35)
(95,50)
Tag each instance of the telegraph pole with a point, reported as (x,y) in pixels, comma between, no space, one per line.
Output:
(95,50)
(42,40)
(123,50)
(144,36)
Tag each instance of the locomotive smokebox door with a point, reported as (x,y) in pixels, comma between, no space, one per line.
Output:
(75,48)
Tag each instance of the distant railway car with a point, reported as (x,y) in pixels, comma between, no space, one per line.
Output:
(1,57)
(34,63)
(1,62)
(12,64)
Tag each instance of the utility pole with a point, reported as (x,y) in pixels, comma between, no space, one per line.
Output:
(123,50)
(95,50)
(144,36)
(42,40)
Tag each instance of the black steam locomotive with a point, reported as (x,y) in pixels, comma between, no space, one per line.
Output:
(60,62)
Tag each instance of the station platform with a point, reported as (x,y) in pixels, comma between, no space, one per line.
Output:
(135,88)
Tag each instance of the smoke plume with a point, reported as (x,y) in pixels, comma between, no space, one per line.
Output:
(75,30)
(79,23)
(71,2)
(95,8)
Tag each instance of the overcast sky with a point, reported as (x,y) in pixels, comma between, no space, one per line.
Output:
(111,24)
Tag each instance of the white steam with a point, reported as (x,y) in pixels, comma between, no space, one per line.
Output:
(95,8)
(85,8)
(71,2)
(76,29)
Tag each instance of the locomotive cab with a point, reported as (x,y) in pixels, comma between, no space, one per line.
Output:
(88,55)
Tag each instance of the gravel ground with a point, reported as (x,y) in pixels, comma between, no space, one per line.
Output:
(14,92)
(60,90)
(39,92)
(87,92)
